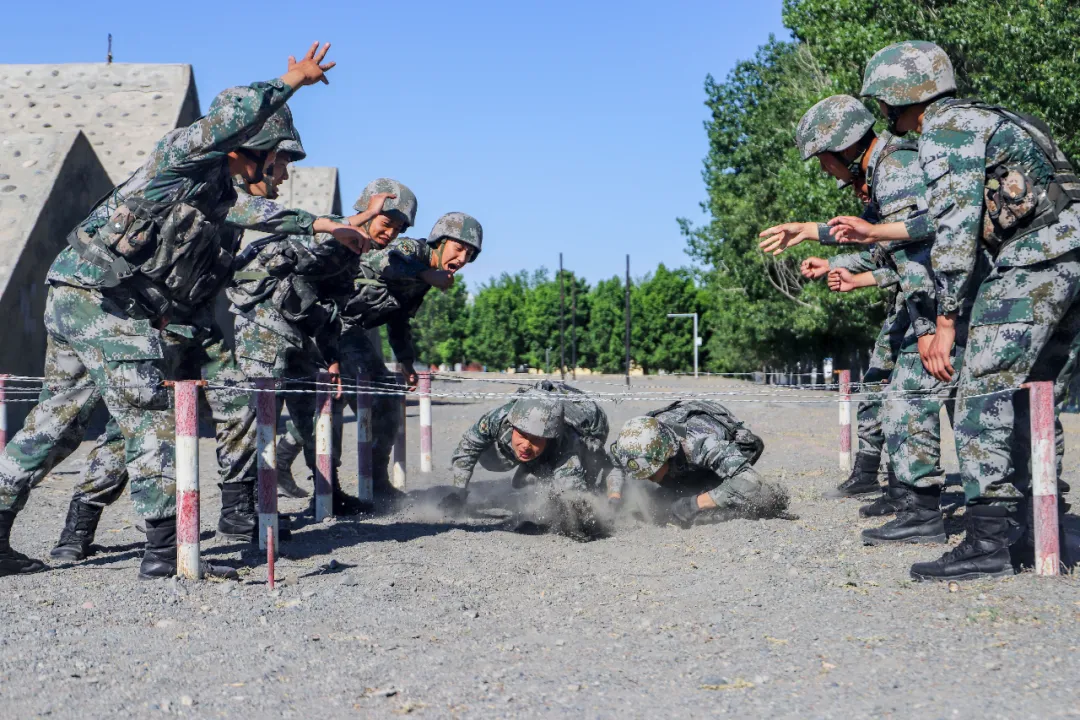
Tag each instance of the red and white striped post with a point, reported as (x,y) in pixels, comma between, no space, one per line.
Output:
(425,422)
(845,419)
(187,478)
(266,449)
(271,553)
(398,474)
(365,490)
(1044,478)
(324,447)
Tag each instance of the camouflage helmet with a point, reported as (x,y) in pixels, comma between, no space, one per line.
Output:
(403,206)
(834,124)
(278,133)
(458,226)
(908,72)
(540,417)
(644,445)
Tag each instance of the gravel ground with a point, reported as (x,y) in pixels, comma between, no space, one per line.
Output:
(414,613)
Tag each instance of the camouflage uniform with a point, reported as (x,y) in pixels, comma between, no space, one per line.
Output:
(561,465)
(106,475)
(107,299)
(1025,322)
(707,450)
(285,300)
(387,290)
(588,419)
(911,422)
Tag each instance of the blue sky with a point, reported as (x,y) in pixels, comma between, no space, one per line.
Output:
(562,126)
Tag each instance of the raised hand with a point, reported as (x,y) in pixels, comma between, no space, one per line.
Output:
(310,69)
(814,267)
(841,280)
(780,237)
(849,229)
(442,279)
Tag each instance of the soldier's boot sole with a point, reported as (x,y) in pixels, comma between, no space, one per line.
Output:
(937,539)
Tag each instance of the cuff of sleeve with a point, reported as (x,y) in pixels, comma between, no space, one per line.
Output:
(923,326)
(823,235)
(919,227)
(947,305)
(885,277)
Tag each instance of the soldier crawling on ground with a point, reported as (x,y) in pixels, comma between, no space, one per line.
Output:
(553,438)
(701,458)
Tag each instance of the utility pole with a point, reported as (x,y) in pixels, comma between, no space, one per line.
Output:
(108,57)
(573,327)
(628,320)
(697,340)
(562,324)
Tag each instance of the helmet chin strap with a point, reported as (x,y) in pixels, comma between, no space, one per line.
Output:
(438,254)
(894,114)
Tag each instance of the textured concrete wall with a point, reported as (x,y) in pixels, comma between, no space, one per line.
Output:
(47,185)
(122,108)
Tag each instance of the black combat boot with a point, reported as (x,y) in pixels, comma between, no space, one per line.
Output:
(345,504)
(862,481)
(919,521)
(159,557)
(11,562)
(1022,551)
(890,502)
(289,447)
(78,533)
(238,520)
(984,551)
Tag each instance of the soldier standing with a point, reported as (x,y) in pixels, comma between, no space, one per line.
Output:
(150,255)
(997,183)
(388,290)
(883,171)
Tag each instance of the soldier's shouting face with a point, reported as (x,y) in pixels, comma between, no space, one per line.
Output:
(527,447)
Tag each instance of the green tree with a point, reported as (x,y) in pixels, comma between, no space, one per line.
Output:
(761,310)
(659,342)
(440,326)
(495,326)
(1019,53)
(604,337)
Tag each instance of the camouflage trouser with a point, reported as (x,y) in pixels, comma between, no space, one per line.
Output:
(745,494)
(1025,326)
(882,361)
(358,355)
(106,475)
(268,346)
(97,351)
(912,420)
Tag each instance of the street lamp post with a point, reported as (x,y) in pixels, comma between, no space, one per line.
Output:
(697,340)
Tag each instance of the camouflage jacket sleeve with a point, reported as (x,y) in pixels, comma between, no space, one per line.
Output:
(399,335)
(258,213)
(952,153)
(856,262)
(478,438)
(235,116)
(900,192)
(706,445)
